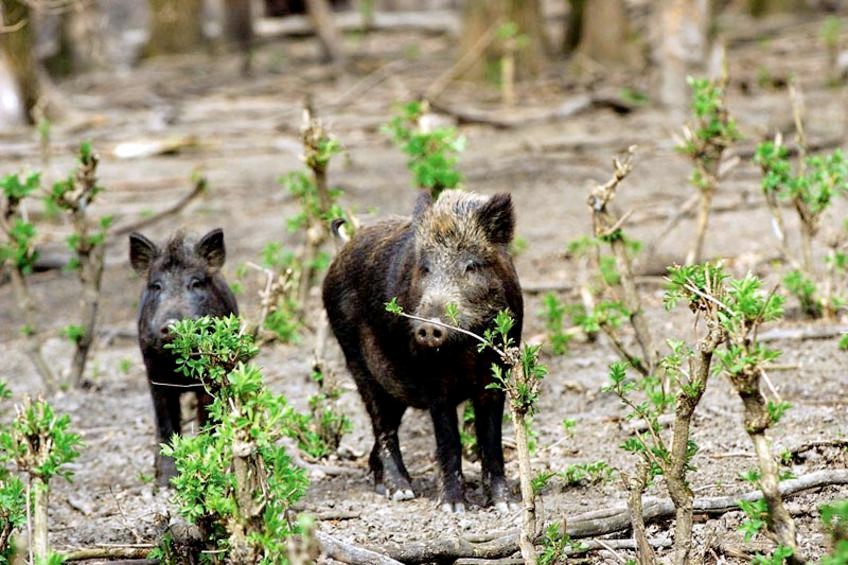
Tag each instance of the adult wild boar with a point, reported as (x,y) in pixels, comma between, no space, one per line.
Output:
(452,251)
(183,281)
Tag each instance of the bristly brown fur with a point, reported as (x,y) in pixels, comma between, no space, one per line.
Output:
(452,221)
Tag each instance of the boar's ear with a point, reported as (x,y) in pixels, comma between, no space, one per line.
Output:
(142,252)
(422,204)
(211,249)
(497,218)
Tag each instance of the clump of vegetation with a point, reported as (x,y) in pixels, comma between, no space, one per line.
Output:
(72,196)
(38,442)
(432,153)
(811,189)
(705,141)
(834,516)
(236,482)
(553,313)
(731,311)
(290,275)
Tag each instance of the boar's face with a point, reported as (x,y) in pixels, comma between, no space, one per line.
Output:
(461,259)
(181,282)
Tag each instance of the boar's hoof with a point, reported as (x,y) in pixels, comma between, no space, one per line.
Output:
(453,507)
(405,494)
(502,507)
(397,489)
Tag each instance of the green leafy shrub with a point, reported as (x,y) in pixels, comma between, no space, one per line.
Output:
(235,480)
(432,154)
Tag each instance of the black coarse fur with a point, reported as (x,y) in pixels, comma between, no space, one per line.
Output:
(183,281)
(454,250)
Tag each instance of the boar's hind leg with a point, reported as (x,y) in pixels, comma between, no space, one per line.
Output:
(166,405)
(488,416)
(390,475)
(449,457)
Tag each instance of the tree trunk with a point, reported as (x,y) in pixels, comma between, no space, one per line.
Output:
(482,15)
(238,29)
(573,26)
(17,46)
(681,49)
(605,36)
(175,26)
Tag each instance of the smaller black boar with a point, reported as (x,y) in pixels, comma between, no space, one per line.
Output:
(453,251)
(183,282)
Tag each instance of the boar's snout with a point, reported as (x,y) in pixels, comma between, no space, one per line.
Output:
(429,334)
(165,329)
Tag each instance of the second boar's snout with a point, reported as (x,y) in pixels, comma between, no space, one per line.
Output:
(428,334)
(165,328)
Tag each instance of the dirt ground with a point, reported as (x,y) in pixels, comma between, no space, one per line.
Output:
(246,134)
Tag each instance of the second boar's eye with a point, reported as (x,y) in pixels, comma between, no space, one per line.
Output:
(196,284)
(472,267)
(155,286)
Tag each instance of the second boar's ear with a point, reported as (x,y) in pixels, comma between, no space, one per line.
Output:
(211,249)
(142,252)
(422,204)
(497,218)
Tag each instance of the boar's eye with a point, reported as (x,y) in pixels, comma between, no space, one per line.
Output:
(154,286)
(196,283)
(472,267)
(424,270)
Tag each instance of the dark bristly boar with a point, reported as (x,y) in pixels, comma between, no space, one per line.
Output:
(451,252)
(183,282)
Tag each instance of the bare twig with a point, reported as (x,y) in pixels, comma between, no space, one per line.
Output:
(607,226)
(199,186)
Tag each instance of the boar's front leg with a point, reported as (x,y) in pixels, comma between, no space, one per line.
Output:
(166,405)
(488,418)
(449,457)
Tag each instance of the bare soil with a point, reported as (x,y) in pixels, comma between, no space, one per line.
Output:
(246,135)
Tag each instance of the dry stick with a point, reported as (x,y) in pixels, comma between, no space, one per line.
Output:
(349,553)
(601,522)
(464,63)
(603,220)
(808,218)
(708,168)
(200,185)
(128,552)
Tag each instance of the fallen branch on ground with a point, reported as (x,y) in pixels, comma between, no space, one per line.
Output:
(111,552)
(349,553)
(598,523)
